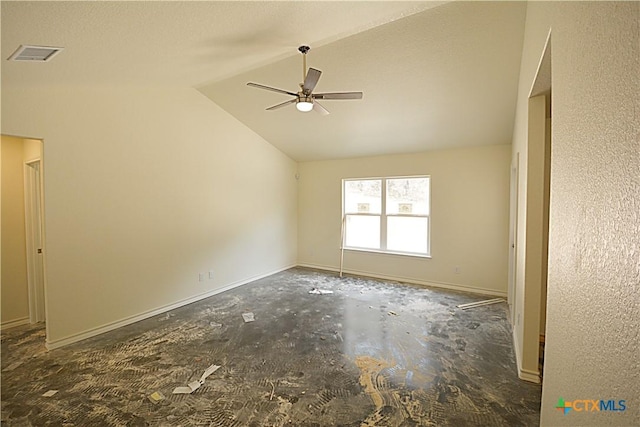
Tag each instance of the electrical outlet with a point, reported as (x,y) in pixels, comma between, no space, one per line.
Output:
(457,269)
(201,277)
(210,274)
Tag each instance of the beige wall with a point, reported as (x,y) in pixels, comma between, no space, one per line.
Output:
(592,343)
(15,296)
(145,189)
(469,221)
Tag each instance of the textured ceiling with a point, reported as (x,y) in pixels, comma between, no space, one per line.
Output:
(184,43)
(434,74)
(443,78)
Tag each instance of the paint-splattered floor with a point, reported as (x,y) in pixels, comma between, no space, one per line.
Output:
(372,353)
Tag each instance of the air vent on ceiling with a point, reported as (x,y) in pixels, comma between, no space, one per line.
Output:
(35,53)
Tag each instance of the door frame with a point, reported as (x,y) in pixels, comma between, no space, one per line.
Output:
(513,236)
(35,242)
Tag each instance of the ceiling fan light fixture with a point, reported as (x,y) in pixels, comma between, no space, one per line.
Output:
(304,106)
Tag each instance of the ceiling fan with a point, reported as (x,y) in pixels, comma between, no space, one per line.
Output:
(305,99)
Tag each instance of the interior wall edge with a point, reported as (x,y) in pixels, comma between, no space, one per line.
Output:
(523,374)
(442,285)
(61,342)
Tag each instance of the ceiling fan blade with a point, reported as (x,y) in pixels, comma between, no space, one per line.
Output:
(338,95)
(311,80)
(273,89)
(319,108)
(283,104)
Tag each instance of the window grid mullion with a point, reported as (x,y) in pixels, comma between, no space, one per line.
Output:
(383,214)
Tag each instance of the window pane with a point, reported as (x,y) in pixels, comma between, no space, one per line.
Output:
(408,196)
(362,231)
(363,196)
(407,234)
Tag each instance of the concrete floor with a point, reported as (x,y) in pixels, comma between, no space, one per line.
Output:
(373,353)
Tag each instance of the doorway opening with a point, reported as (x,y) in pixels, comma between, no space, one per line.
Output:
(542,89)
(528,263)
(538,199)
(23,236)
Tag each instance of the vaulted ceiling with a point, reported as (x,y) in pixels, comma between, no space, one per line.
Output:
(435,75)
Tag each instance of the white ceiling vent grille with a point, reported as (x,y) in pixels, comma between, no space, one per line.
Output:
(35,53)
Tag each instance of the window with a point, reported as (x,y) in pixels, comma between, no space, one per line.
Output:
(387,214)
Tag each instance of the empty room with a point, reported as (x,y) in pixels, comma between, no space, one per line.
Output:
(320,213)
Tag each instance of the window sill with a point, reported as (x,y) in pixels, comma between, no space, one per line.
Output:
(373,251)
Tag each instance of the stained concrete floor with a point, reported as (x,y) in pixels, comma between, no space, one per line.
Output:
(373,353)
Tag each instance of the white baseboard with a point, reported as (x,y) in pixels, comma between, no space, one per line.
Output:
(444,285)
(523,374)
(532,377)
(53,344)
(14,323)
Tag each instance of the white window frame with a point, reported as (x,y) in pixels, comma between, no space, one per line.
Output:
(383,217)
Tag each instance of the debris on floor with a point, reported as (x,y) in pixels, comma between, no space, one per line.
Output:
(210,370)
(50,393)
(480,303)
(188,389)
(248,317)
(194,385)
(273,389)
(316,291)
(156,397)
(167,316)
(393,313)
